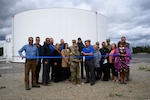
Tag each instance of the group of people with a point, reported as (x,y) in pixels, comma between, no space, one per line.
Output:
(62,62)
(114,62)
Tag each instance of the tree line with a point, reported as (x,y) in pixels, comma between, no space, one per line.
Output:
(141,49)
(1,51)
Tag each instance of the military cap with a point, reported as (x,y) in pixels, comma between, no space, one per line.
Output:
(108,40)
(73,41)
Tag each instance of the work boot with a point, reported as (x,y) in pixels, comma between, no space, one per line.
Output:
(78,81)
(74,82)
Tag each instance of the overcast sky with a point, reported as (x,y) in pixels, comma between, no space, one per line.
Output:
(130,18)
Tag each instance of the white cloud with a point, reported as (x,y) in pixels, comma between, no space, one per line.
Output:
(128,18)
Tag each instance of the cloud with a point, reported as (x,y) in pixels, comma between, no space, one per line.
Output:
(125,18)
(130,19)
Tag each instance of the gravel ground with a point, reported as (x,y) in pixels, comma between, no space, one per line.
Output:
(138,88)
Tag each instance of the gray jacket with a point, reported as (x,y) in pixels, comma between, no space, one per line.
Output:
(97,57)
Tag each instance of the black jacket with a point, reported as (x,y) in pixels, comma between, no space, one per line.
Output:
(58,58)
(81,46)
(103,52)
(46,52)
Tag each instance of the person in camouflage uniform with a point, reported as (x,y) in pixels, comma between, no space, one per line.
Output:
(108,45)
(74,67)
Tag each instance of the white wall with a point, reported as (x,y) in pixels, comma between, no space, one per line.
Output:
(59,23)
(101,28)
(8,48)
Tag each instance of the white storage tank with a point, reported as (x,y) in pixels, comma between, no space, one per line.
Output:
(58,23)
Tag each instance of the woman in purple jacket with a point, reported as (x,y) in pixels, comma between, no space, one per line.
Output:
(122,60)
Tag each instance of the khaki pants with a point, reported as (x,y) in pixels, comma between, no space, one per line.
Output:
(30,65)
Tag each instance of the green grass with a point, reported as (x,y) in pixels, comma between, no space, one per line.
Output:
(115,94)
(2,87)
(144,68)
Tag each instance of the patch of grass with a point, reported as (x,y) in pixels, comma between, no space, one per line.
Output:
(130,90)
(144,68)
(115,94)
(2,87)
(148,70)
